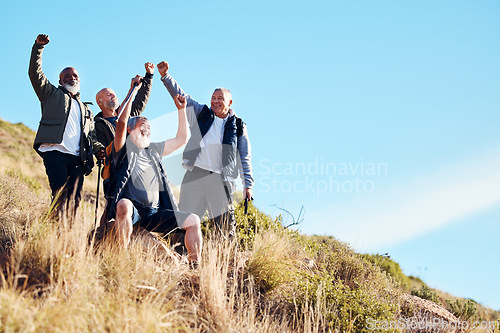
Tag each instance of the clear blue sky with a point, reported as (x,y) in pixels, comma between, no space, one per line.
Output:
(381,118)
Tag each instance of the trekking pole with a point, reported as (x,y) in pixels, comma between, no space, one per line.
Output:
(127,98)
(99,164)
(246,205)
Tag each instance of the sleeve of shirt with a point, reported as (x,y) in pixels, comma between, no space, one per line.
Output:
(244,150)
(141,99)
(193,107)
(39,81)
(158,147)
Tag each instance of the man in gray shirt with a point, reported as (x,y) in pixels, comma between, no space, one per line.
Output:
(219,149)
(141,193)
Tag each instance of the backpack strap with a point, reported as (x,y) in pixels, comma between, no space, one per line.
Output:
(106,171)
(240,125)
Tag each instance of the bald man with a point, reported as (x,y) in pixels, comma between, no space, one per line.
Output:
(64,136)
(105,121)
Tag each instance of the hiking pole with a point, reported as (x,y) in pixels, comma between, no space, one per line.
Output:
(246,205)
(99,164)
(127,98)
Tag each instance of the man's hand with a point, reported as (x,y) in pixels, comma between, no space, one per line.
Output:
(150,67)
(162,68)
(180,102)
(137,79)
(42,39)
(247,193)
(101,154)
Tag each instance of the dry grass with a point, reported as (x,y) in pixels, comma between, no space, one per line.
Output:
(53,280)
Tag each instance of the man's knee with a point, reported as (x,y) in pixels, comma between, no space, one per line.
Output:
(123,221)
(192,222)
(124,209)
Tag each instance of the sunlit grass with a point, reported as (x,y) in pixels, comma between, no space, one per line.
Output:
(53,278)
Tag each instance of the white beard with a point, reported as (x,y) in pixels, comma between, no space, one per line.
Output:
(143,141)
(113,105)
(73,89)
(140,140)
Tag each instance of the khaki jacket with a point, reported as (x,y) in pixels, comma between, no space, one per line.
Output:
(56,104)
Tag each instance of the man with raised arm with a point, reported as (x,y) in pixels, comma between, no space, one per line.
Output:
(105,121)
(63,138)
(142,195)
(211,158)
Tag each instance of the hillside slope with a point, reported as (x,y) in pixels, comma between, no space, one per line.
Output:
(274,280)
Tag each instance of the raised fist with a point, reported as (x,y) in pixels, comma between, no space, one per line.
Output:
(180,102)
(137,79)
(150,67)
(42,39)
(162,68)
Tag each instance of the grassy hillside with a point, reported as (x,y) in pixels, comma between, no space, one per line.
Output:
(274,280)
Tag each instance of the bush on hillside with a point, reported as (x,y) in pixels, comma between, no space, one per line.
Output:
(464,309)
(390,267)
(425,292)
(252,224)
(320,275)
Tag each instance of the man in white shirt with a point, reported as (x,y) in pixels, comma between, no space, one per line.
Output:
(217,151)
(63,138)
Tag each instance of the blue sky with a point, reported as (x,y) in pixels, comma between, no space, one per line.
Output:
(381,118)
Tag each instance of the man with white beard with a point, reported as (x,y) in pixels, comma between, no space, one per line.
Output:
(64,136)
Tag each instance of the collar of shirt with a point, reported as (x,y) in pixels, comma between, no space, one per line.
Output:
(112,119)
(230,113)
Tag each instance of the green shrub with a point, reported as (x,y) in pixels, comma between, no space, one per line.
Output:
(463,309)
(390,267)
(253,223)
(426,293)
(344,309)
(329,279)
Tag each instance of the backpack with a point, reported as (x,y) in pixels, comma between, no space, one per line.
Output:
(108,180)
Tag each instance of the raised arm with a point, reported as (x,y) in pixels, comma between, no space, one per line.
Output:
(142,97)
(181,138)
(121,123)
(39,81)
(193,107)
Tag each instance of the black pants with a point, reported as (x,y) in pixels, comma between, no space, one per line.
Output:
(65,173)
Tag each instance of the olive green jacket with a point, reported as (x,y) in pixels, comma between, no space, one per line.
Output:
(56,104)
